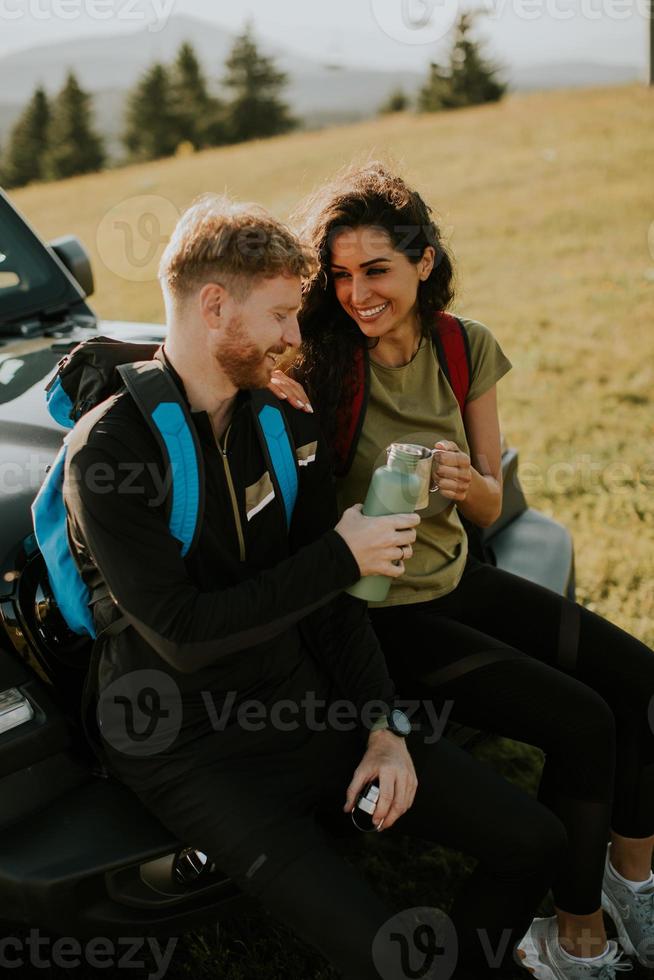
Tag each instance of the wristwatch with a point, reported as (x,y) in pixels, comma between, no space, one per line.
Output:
(395,721)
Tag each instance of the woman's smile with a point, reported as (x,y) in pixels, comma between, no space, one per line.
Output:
(370,312)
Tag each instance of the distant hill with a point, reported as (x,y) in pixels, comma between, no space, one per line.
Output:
(320,94)
(572,74)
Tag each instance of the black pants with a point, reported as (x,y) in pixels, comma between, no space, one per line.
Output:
(264,820)
(573,684)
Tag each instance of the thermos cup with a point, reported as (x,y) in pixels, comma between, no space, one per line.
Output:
(395,488)
(364,808)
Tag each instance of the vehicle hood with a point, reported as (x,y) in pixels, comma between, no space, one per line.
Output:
(29,437)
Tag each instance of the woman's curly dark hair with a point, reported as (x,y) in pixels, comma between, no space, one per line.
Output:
(359,197)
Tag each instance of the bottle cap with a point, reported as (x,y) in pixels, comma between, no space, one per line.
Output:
(368,802)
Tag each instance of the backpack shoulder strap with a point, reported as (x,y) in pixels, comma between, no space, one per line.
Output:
(165,411)
(50,529)
(453,349)
(278,447)
(351,412)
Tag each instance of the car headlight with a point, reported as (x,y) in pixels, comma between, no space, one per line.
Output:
(15,709)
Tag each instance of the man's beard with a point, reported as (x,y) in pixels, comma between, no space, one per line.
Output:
(245,364)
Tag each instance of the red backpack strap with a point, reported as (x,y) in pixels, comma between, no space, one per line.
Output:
(351,414)
(453,349)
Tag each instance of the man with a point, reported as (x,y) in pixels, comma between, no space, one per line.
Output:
(244,646)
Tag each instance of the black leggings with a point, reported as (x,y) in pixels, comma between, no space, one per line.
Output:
(572,684)
(268,824)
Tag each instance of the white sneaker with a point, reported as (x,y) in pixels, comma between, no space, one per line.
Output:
(633,916)
(545,959)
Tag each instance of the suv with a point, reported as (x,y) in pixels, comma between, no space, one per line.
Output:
(79,854)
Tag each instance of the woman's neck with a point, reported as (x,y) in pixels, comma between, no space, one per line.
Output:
(399,346)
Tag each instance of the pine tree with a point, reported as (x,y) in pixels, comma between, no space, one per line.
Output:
(153,128)
(24,157)
(255,109)
(397,101)
(435,93)
(469,78)
(473,79)
(73,145)
(200,117)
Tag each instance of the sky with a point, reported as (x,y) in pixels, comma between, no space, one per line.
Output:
(379,33)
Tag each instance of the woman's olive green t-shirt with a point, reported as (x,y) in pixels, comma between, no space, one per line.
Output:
(415,403)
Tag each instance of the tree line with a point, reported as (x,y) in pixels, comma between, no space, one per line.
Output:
(171,106)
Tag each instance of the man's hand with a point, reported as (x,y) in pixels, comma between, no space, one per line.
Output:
(286,388)
(451,471)
(387,759)
(380,545)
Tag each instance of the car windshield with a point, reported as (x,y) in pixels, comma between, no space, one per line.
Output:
(31,281)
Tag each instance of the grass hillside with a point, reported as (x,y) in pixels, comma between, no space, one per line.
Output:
(547,202)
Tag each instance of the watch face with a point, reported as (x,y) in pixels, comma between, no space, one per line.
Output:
(400,722)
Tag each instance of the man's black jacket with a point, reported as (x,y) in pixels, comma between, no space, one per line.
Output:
(256,608)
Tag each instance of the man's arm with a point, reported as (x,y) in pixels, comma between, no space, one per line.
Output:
(340,634)
(342,638)
(128,540)
(124,531)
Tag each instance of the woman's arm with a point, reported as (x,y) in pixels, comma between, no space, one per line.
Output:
(475,482)
(483,503)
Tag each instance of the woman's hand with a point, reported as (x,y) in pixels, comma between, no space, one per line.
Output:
(285,388)
(387,759)
(451,471)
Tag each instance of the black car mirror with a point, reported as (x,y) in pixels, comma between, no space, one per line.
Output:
(74,256)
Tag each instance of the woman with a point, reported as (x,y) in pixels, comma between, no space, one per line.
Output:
(514,658)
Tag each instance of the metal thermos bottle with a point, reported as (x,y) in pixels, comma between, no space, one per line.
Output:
(394,489)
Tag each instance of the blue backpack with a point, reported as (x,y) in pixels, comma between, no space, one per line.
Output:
(93,372)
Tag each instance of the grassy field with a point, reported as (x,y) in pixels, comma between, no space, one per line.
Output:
(547,202)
